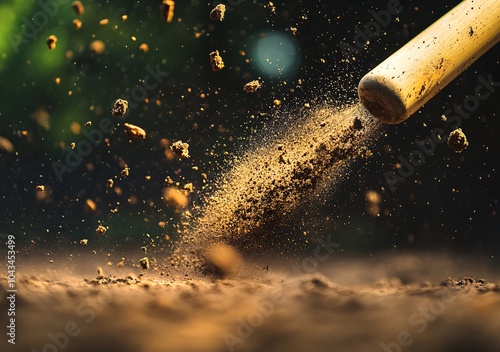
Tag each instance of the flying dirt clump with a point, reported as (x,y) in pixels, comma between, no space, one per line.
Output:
(256,202)
(457,140)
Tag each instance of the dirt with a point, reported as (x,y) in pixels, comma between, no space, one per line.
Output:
(216,61)
(356,305)
(457,140)
(252,86)
(217,13)
(255,205)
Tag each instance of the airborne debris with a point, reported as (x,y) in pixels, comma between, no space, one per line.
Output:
(40,188)
(167,10)
(84,241)
(217,14)
(180,149)
(216,61)
(457,140)
(109,183)
(252,86)
(120,107)
(144,263)
(78,7)
(101,230)
(125,172)
(134,132)
(51,42)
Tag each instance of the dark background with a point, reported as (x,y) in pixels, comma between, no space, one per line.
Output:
(449,204)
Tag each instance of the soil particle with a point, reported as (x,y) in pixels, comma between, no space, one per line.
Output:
(144,263)
(458,141)
(167,10)
(134,132)
(217,14)
(51,42)
(119,107)
(252,86)
(101,230)
(180,149)
(78,8)
(216,61)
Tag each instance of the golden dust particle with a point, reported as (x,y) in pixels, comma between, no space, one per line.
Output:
(109,183)
(133,38)
(175,197)
(144,263)
(277,102)
(84,242)
(77,23)
(78,8)
(144,48)
(124,18)
(90,205)
(293,30)
(88,123)
(100,272)
(148,178)
(40,188)
(101,230)
(134,132)
(307,105)
(167,237)
(216,61)
(51,261)
(322,60)
(69,54)
(58,80)
(180,149)
(443,117)
(242,53)
(104,21)
(252,86)
(224,259)
(75,128)
(189,187)
(167,10)
(125,172)
(70,92)
(97,46)
(217,14)
(119,107)
(73,145)
(120,264)
(51,42)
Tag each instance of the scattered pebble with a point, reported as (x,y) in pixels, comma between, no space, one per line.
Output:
(144,48)
(457,140)
(252,86)
(134,132)
(125,172)
(84,242)
(104,22)
(109,183)
(217,14)
(144,263)
(167,10)
(180,149)
(100,230)
(78,7)
(51,42)
(120,107)
(40,188)
(216,61)
(77,23)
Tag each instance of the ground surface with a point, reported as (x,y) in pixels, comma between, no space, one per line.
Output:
(350,306)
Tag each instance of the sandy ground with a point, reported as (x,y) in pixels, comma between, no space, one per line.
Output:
(353,305)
